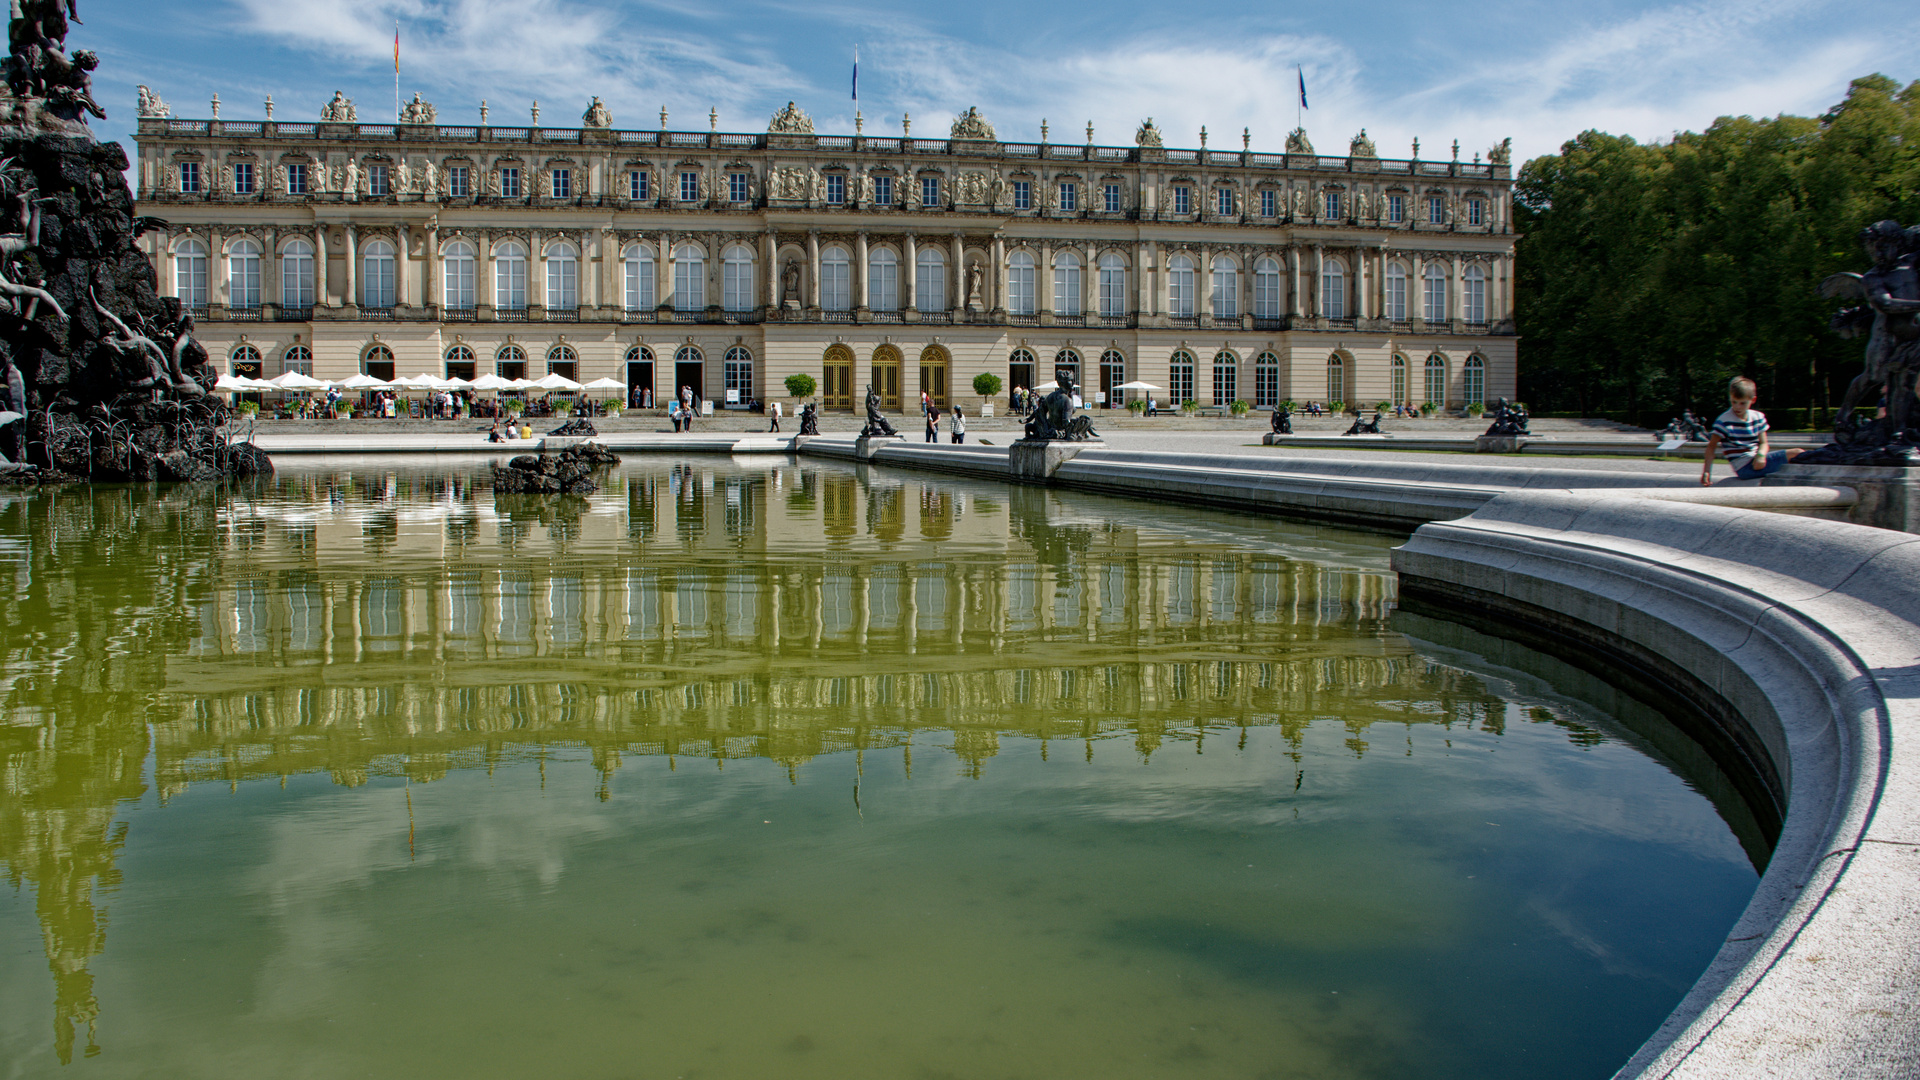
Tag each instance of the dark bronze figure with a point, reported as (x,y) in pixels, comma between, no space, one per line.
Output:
(877,426)
(1509,419)
(1891,289)
(1364,427)
(1282,420)
(1053,418)
(809,419)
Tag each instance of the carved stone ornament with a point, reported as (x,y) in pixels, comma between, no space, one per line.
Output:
(971,125)
(790,121)
(417,112)
(1361,146)
(791,183)
(151,106)
(339,111)
(1148,135)
(1502,154)
(596,116)
(1298,143)
(973,188)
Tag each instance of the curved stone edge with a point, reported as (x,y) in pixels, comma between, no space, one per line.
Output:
(1809,631)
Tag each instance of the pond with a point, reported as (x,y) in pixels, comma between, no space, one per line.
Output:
(749,768)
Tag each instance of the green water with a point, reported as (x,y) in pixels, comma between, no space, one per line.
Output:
(753,769)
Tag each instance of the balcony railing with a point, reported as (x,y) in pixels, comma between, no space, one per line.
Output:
(944,318)
(563,314)
(459,314)
(640,315)
(382,313)
(1069,320)
(1022,320)
(244,314)
(836,316)
(283,313)
(885,317)
(509,314)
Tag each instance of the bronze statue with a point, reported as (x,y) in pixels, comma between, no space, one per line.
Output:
(1282,420)
(1509,419)
(1364,427)
(809,419)
(877,426)
(1053,418)
(1891,289)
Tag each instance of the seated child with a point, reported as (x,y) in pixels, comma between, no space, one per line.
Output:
(1741,434)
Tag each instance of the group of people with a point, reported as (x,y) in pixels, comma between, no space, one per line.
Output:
(681,410)
(956,421)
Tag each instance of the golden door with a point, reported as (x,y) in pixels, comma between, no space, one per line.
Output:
(886,380)
(933,380)
(836,391)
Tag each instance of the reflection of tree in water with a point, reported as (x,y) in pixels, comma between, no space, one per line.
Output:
(1053,545)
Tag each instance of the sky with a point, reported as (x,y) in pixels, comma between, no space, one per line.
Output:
(1538,72)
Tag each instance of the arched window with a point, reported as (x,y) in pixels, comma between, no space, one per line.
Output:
(736,278)
(296,274)
(639,354)
(1400,380)
(297,358)
(1336,379)
(1474,380)
(1434,306)
(1113,372)
(244,362)
(1226,377)
(1020,289)
(510,276)
(1333,289)
(638,263)
(1396,292)
(1266,381)
(376,275)
(510,362)
(836,277)
(1436,380)
(737,373)
(563,361)
(460,363)
(1180,287)
(1066,284)
(243,274)
(1180,377)
(1067,362)
(1224,296)
(457,276)
(1113,286)
(689,278)
(190,273)
(1266,288)
(930,281)
(377,362)
(1473,282)
(563,277)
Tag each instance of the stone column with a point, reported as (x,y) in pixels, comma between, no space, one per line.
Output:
(1143,274)
(1362,283)
(1318,305)
(1456,295)
(957,276)
(400,268)
(352,297)
(1249,258)
(910,258)
(1295,295)
(1090,282)
(1416,287)
(482,275)
(858,286)
(608,269)
(430,266)
(770,275)
(321,297)
(813,269)
(217,268)
(270,267)
(1043,287)
(663,272)
(536,272)
(997,303)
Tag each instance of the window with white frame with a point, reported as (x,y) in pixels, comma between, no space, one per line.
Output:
(378,362)
(296,178)
(836,280)
(1266,381)
(244,360)
(1269,203)
(1266,288)
(459,181)
(1223,201)
(638,189)
(1436,210)
(189,177)
(836,189)
(243,178)
(510,276)
(1476,212)
(1224,295)
(563,277)
(736,278)
(510,362)
(1396,208)
(1333,289)
(1473,378)
(1023,194)
(296,274)
(739,186)
(563,183)
(1182,199)
(930,281)
(458,265)
(1069,196)
(1180,378)
(1180,287)
(1473,282)
(1400,380)
(379,180)
(1112,195)
(737,373)
(1113,372)
(1396,297)
(883,280)
(689,186)
(637,261)
(376,275)
(190,273)
(563,361)
(1226,377)
(1332,199)
(1433,307)
(297,358)
(510,182)
(1020,284)
(243,274)
(883,190)
(1336,379)
(930,192)
(689,278)
(459,363)
(1113,286)
(1436,380)
(1067,284)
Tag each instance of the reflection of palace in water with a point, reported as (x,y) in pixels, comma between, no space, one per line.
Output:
(395,622)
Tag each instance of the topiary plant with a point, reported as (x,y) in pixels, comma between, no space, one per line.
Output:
(1382,406)
(801,385)
(986,384)
(1474,409)
(1137,406)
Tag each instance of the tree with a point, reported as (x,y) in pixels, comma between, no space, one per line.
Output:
(800,385)
(986,384)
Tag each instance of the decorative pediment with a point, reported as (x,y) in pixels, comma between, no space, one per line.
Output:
(971,125)
(1361,146)
(1298,143)
(596,116)
(790,121)
(1147,135)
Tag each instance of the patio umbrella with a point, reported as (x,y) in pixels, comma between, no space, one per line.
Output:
(232,384)
(294,380)
(455,383)
(488,381)
(1137,385)
(605,384)
(557,381)
(364,382)
(9,417)
(523,384)
(1046,387)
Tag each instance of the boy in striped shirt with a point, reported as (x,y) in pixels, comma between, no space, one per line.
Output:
(1741,434)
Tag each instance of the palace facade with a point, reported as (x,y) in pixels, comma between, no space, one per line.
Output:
(727,262)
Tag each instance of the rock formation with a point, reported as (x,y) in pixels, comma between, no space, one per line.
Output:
(569,472)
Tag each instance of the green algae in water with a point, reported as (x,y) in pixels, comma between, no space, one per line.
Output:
(763,769)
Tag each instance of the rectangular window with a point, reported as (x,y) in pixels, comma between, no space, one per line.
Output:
(1182,199)
(639,283)
(459,283)
(883,190)
(1113,290)
(1396,296)
(1113,198)
(1476,212)
(510,183)
(242,178)
(1266,383)
(834,280)
(459,182)
(377,182)
(1333,205)
(563,183)
(1434,298)
(637,185)
(689,187)
(1226,293)
(737,187)
(1436,210)
(1180,375)
(930,192)
(1020,289)
(1266,294)
(297,178)
(1396,208)
(1269,203)
(836,189)
(1069,197)
(189,177)
(563,284)
(1023,194)
(1223,201)
(1226,380)
(736,284)
(689,284)
(1066,288)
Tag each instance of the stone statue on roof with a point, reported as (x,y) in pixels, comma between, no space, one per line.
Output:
(1298,143)
(417,112)
(1503,153)
(1148,135)
(1361,146)
(150,105)
(790,121)
(339,111)
(596,116)
(971,125)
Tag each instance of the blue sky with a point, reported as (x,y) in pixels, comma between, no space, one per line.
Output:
(1538,72)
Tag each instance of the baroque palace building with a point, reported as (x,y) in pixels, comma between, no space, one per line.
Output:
(727,262)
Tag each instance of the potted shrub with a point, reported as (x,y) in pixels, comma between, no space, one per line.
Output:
(1137,407)
(1428,408)
(987,385)
(614,409)
(1289,405)
(801,386)
(1383,407)
(1474,409)
(248,409)
(1239,408)
(1189,408)
(1337,408)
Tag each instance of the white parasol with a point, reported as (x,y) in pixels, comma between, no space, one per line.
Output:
(364,381)
(605,384)
(557,381)
(294,380)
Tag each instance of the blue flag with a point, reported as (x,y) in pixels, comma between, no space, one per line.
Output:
(1303,85)
(856,73)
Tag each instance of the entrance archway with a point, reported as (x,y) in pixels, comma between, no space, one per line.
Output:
(935,367)
(836,378)
(690,369)
(886,376)
(640,377)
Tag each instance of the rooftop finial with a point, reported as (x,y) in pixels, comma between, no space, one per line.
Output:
(269,106)
(713,118)
(216,106)
(483,112)
(1246,138)
(663,118)
(536,112)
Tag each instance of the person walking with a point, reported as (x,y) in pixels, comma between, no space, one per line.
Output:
(958,425)
(933,424)
(686,406)
(775,414)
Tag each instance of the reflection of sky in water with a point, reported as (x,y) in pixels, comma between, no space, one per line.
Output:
(401,776)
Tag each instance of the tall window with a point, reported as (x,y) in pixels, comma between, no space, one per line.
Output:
(1474,283)
(296,274)
(1182,199)
(298,358)
(1436,380)
(1113,286)
(689,187)
(1113,372)
(459,362)
(930,281)
(1180,378)
(1476,212)
(1067,284)
(836,189)
(883,280)
(1266,381)
(245,360)
(1333,205)
(459,181)
(1434,307)
(1226,377)
(376,275)
(1333,289)
(738,374)
(1069,196)
(189,177)
(1111,193)
(563,277)
(510,362)
(1180,287)
(1396,208)
(1023,194)
(1399,379)
(378,362)
(457,275)
(510,183)
(1020,286)
(1266,288)
(883,190)
(1474,380)
(1269,203)
(510,276)
(930,192)
(836,275)
(1436,210)
(563,183)
(296,178)
(379,183)
(190,273)
(243,274)
(739,186)
(1224,295)
(638,263)
(736,278)
(1223,201)
(689,278)
(1336,379)
(1396,292)
(637,186)
(243,178)
(563,361)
